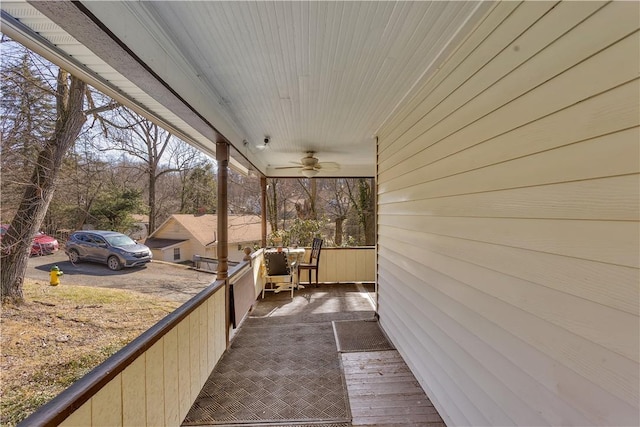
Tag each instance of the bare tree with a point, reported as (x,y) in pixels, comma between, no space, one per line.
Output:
(151,146)
(199,191)
(37,195)
(243,194)
(43,112)
(337,205)
(193,160)
(272,202)
(27,119)
(362,195)
(84,182)
(307,209)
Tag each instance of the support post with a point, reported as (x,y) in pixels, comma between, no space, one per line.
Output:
(222,157)
(263,202)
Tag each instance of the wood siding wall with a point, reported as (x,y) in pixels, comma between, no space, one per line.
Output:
(160,386)
(508,214)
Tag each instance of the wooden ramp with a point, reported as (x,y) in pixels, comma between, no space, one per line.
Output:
(383,391)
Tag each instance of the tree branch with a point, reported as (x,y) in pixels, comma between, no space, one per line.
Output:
(101,109)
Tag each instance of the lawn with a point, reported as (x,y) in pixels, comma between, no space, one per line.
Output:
(59,334)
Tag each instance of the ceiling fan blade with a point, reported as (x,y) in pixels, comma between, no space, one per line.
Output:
(288,167)
(328,166)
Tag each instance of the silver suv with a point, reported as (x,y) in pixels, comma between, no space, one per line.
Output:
(114,249)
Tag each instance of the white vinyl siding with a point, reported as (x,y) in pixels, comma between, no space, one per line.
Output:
(508,220)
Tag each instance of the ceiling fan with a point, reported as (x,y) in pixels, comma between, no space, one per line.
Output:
(310,166)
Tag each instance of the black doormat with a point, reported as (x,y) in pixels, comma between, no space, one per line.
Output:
(285,374)
(360,335)
(287,424)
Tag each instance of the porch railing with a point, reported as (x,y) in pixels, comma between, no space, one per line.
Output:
(347,265)
(337,265)
(138,384)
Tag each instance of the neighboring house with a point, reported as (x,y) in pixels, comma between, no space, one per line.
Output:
(184,236)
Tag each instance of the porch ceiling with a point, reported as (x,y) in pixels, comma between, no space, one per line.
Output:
(313,76)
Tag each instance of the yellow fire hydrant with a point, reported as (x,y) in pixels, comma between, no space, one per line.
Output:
(55,275)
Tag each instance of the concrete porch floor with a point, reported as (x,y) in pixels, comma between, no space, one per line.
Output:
(283,369)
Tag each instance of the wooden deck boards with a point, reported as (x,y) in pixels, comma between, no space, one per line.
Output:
(384,392)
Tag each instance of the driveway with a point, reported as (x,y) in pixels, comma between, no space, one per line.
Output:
(165,280)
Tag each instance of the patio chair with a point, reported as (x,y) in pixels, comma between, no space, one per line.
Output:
(278,273)
(314,260)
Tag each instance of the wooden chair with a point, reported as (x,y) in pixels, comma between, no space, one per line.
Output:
(278,273)
(314,260)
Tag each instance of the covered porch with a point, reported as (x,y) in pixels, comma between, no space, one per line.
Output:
(319,358)
(285,367)
(503,137)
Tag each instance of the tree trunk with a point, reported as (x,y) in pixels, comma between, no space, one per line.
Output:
(370,228)
(87,208)
(183,190)
(16,243)
(312,199)
(365,205)
(152,200)
(338,235)
(272,205)
(369,211)
(307,210)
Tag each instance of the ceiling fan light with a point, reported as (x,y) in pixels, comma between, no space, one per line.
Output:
(309,173)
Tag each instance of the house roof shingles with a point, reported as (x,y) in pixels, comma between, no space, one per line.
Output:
(204,228)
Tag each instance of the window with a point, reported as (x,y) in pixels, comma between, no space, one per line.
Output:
(176,254)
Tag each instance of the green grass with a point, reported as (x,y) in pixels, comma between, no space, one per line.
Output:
(45,383)
(60,334)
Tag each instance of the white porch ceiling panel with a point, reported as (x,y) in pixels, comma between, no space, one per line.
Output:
(26,24)
(313,76)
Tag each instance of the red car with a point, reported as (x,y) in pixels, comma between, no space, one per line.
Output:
(41,245)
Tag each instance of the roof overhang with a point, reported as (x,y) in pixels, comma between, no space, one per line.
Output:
(163,244)
(313,76)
